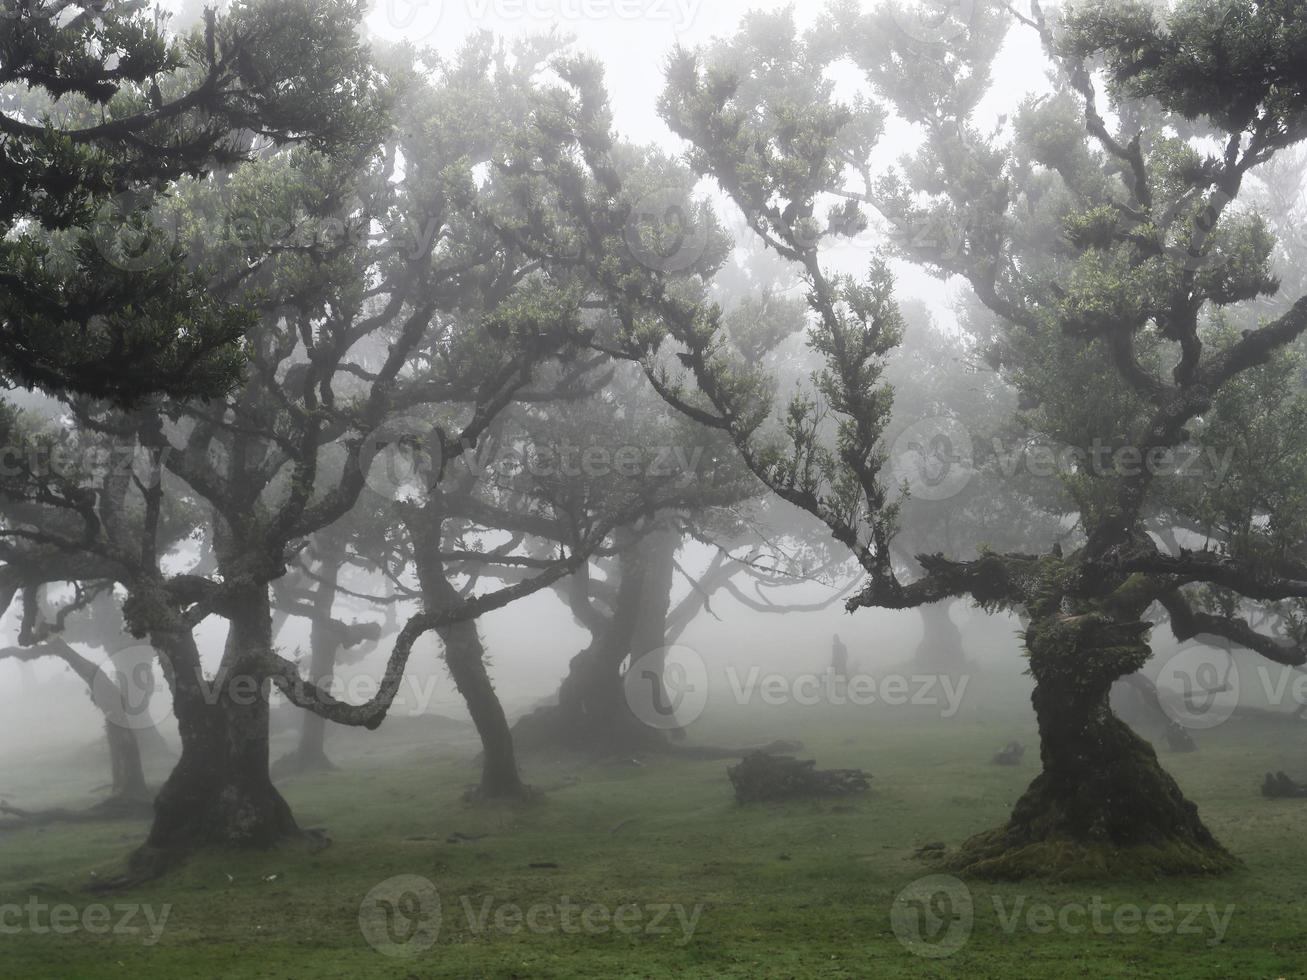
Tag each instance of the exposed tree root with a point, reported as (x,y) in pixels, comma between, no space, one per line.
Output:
(114,808)
(1003,855)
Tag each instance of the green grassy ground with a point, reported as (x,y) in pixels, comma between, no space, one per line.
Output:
(802,890)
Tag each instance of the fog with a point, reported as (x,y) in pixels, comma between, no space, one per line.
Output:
(820,486)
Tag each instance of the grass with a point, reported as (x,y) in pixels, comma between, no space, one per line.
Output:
(793,890)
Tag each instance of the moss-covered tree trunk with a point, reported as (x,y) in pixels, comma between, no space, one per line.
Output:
(592,714)
(221,792)
(1102,804)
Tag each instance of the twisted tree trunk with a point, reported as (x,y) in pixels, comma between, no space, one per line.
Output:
(592,714)
(1102,804)
(221,792)
(465,658)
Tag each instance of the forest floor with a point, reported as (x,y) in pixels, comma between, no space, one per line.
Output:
(652,870)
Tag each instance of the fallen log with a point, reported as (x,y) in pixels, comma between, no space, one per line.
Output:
(762,777)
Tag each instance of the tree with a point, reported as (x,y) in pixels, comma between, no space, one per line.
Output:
(312,593)
(118,689)
(113,112)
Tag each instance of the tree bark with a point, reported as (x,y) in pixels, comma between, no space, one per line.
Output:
(1102,804)
(220,793)
(592,714)
(465,658)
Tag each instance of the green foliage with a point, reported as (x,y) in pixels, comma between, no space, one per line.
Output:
(1238,62)
(114,110)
